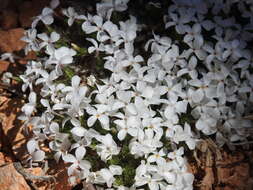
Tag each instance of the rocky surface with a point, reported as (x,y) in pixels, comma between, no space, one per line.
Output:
(4,65)
(33,8)
(9,19)
(10,40)
(10,179)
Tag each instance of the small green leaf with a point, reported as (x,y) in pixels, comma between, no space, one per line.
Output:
(69,72)
(17,79)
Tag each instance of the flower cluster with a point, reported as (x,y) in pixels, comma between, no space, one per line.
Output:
(130,129)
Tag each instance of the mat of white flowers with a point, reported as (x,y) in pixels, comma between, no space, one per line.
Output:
(129,127)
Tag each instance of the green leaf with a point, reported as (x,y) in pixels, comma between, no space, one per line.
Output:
(69,72)
(17,79)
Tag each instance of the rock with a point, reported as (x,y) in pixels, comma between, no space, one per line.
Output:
(4,65)
(30,56)
(9,19)
(249,185)
(236,176)
(223,174)
(10,40)
(3,4)
(30,9)
(60,172)
(229,158)
(2,160)
(38,172)
(208,180)
(10,179)
(224,188)
(13,133)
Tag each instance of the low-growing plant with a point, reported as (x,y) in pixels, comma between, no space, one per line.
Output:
(158,97)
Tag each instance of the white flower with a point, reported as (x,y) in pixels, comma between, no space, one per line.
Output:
(108,148)
(105,8)
(173,108)
(213,53)
(193,33)
(184,135)
(61,144)
(107,175)
(34,150)
(189,69)
(46,17)
(125,128)
(145,174)
(8,56)
(77,161)
(60,57)
(178,21)
(72,15)
(111,32)
(206,24)
(6,78)
(158,41)
(30,39)
(197,48)
(49,112)
(128,30)
(174,89)
(30,107)
(100,114)
(157,157)
(54,3)
(97,48)
(48,41)
(177,156)
(153,125)
(233,50)
(76,93)
(207,124)
(204,89)
(88,28)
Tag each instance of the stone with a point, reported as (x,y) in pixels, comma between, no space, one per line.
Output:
(30,9)
(2,160)
(37,171)
(224,188)
(208,180)
(30,56)
(12,129)
(230,158)
(236,176)
(223,174)
(4,65)
(9,19)
(58,170)
(4,4)
(10,179)
(10,40)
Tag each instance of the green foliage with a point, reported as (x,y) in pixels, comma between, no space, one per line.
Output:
(61,42)
(93,144)
(49,29)
(128,175)
(69,72)
(186,118)
(119,181)
(128,163)
(18,79)
(114,161)
(80,50)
